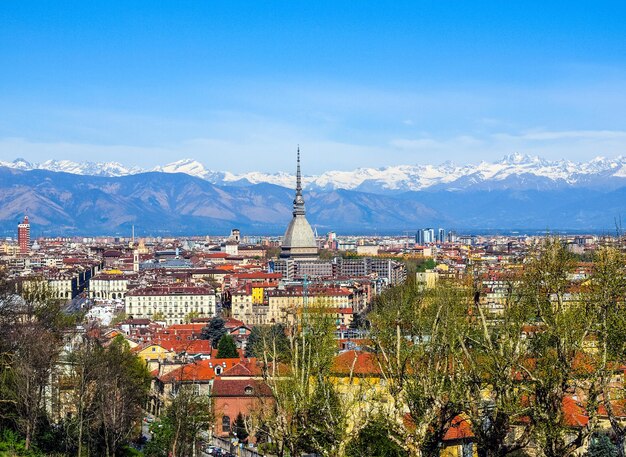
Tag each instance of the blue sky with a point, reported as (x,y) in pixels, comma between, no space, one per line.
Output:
(237,85)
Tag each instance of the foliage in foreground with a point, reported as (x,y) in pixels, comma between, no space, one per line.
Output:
(177,432)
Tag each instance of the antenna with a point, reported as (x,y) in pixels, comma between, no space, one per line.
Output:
(298,175)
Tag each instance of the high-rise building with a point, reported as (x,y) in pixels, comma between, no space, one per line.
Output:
(419,237)
(452,237)
(441,235)
(429,235)
(23,235)
(425,236)
(299,241)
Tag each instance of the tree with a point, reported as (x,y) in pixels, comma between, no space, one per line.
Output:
(239,428)
(178,431)
(12,444)
(307,414)
(325,421)
(374,440)
(601,446)
(31,326)
(106,387)
(119,318)
(418,334)
(359,322)
(226,348)
(85,366)
(428,264)
(263,339)
(191,316)
(31,366)
(120,388)
(214,331)
(606,295)
(494,355)
(158,316)
(557,365)
(254,343)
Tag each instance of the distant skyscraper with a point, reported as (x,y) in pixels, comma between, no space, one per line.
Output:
(429,235)
(441,235)
(23,235)
(425,236)
(419,237)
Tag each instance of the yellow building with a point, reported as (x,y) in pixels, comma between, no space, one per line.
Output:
(154,352)
(459,439)
(359,380)
(258,295)
(285,304)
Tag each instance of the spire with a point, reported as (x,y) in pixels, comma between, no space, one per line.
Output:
(298,176)
(298,202)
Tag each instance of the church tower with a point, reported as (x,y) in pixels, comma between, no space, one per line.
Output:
(299,241)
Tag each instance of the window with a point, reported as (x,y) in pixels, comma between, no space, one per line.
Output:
(226,424)
(248,390)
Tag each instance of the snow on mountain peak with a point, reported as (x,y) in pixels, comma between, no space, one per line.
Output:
(188,166)
(21,164)
(512,170)
(516,157)
(521,159)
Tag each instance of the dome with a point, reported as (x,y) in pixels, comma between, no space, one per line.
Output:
(299,241)
(299,234)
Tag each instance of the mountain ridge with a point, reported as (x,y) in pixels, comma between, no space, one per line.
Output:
(515,171)
(161,203)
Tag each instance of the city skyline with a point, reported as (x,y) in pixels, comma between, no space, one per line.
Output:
(237,86)
(331,228)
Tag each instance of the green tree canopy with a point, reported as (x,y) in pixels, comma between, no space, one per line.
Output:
(178,431)
(601,446)
(226,348)
(239,428)
(264,339)
(214,331)
(375,440)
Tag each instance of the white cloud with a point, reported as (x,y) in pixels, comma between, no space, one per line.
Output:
(565,144)
(541,135)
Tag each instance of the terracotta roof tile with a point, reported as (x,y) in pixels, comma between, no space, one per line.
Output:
(246,368)
(240,388)
(460,428)
(201,371)
(574,414)
(618,406)
(184,345)
(358,362)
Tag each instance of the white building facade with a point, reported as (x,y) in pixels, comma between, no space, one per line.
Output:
(173,304)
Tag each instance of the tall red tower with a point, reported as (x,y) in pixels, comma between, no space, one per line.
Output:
(23,235)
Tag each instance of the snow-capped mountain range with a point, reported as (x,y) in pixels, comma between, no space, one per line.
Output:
(75,168)
(515,171)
